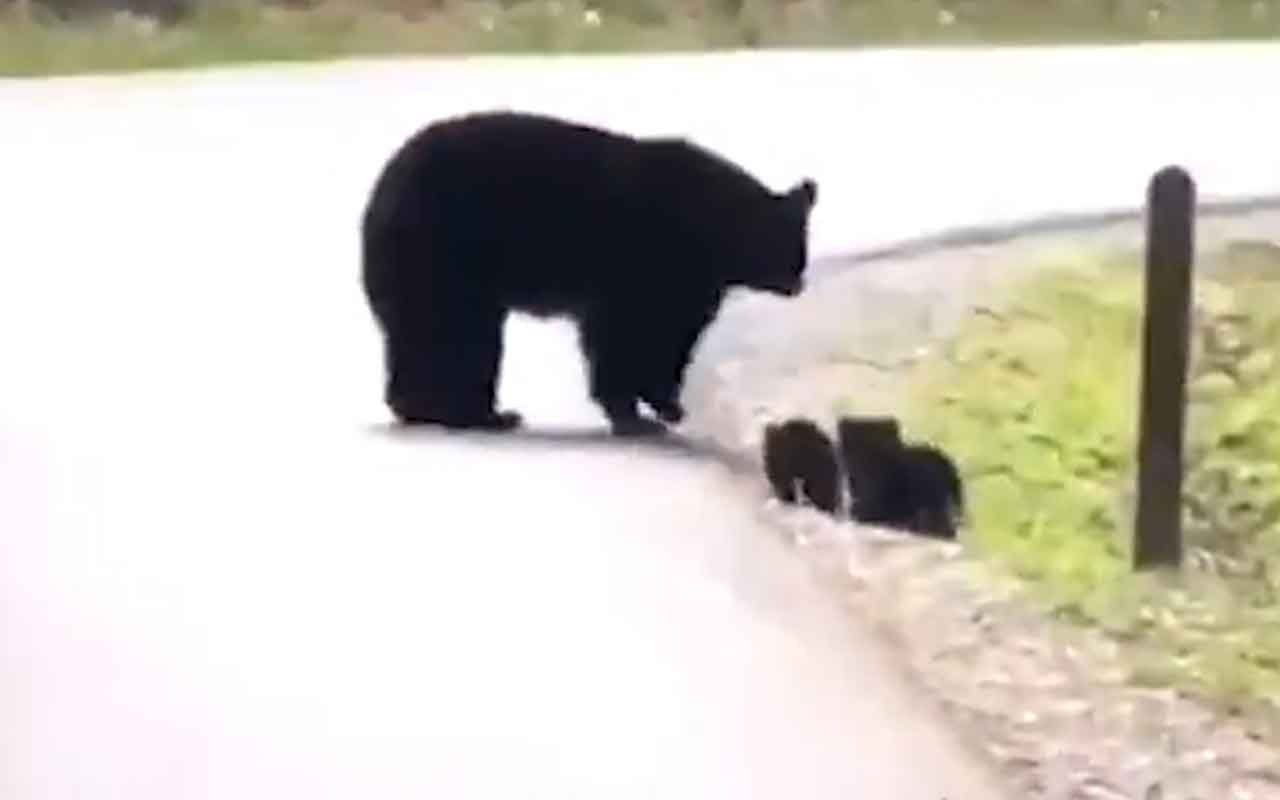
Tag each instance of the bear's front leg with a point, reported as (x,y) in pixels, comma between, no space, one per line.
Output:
(614,376)
(668,350)
(631,424)
(665,405)
(610,389)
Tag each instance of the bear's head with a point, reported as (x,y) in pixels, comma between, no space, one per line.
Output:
(866,432)
(745,233)
(773,241)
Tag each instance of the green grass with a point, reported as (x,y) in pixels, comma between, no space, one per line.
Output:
(34,43)
(1037,401)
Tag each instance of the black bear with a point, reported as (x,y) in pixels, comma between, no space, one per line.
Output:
(908,486)
(801,465)
(637,240)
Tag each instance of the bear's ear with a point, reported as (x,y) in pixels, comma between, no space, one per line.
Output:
(805,193)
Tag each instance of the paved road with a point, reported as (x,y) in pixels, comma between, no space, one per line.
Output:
(222,577)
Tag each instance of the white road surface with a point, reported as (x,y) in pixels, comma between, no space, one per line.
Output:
(223,577)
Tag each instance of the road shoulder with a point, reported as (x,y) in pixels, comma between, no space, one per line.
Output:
(1048,703)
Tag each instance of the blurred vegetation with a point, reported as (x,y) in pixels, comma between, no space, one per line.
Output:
(1037,401)
(65,36)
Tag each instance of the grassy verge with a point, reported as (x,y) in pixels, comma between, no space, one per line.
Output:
(33,43)
(1037,401)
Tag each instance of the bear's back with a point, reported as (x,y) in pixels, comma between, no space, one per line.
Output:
(553,214)
(519,166)
(537,207)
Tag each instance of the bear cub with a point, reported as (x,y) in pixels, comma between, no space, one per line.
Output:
(914,487)
(636,240)
(800,464)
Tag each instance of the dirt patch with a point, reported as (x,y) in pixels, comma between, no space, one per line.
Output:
(1052,704)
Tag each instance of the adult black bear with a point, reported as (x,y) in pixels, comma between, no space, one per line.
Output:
(800,464)
(637,240)
(910,486)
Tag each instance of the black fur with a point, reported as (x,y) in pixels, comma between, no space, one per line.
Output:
(800,464)
(636,240)
(914,487)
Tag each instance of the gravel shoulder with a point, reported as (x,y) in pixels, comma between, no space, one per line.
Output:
(1050,704)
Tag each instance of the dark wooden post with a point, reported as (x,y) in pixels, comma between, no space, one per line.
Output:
(1165,350)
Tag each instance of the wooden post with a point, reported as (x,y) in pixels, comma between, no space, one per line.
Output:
(1165,349)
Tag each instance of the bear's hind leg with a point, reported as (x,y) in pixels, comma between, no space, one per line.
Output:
(446,374)
(485,356)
